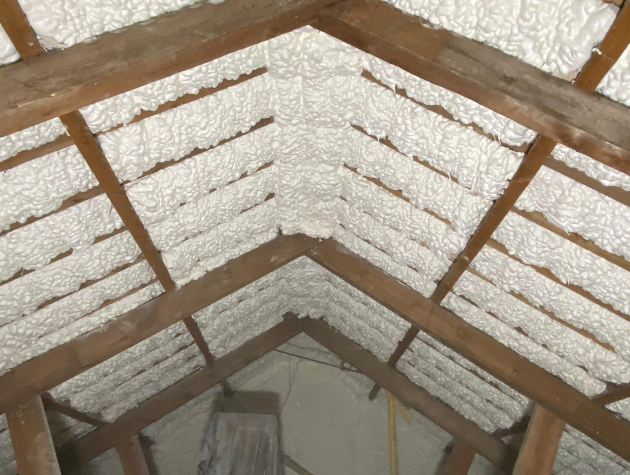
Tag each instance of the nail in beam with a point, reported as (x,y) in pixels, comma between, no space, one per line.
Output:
(30,435)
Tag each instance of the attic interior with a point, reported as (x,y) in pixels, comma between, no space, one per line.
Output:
(400,227)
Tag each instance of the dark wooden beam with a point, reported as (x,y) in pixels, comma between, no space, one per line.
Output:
(30,435)
(540,447)
(131,456)
(50,369)
(61,82)
(52,404)
(460,460)
(504,363)
(614,394)
(78,453)
(551,106)
(410,394)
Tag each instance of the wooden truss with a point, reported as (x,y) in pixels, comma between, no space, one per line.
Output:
(49,85)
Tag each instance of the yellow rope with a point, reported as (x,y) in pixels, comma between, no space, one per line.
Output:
(392,432)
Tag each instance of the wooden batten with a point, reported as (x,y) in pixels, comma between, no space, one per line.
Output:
(460,460)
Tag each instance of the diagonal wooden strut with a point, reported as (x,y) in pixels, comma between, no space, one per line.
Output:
(27,44)
(78,453)
(45,371)
(611,48)
(502,362)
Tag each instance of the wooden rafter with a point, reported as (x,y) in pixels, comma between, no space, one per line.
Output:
(460,460)
(131,456)
(30,435)
(550,106)
(113,64)
(410,394)
(45,371)
(540,447)
(615,394)
(78,453)
(354,14)
(27,44)
(503,363)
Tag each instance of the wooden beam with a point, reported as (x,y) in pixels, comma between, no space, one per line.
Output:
(52,404)
(28,45)
(131,456)
(540,447)
(30,435)
(50,369)
(504,363)
(461,459)
(615,394)
(551,106)
(614,43)
(410,394)
(78,453)
(61,82)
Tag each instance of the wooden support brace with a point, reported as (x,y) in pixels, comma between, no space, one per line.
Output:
(32,443)
(461,459)
(410,394)
(480,348)
(540,447)
(131,456)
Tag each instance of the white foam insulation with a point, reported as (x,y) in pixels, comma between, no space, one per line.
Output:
(330,153)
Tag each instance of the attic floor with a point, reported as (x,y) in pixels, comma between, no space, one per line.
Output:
(328,424)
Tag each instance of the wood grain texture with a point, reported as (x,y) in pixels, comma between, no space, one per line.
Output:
(77,454)
(64,81)
(410,394)
(480,348)
(551,106)
(32,443)
(50,369)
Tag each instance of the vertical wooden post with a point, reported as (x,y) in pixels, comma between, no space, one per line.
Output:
(131,457)
(32,443)
(540,447)
(460,460)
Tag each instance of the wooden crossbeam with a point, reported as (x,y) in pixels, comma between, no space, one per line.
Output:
(480,348)
(460,460)
(540,447)
(551,106)
(29,47)
(53,85)
(78,453)
(131,456)
(615,394)
(52,404)
(59,364)
(30,435)
(410,394)
(355,11)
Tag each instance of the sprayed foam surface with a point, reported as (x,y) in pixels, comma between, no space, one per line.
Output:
(616,83)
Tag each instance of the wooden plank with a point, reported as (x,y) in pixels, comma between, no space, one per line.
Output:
(505,364)
(18,29)
(64,81)
(618,393)
(540,447)
(50,369)
(461,459)
(549,105)
(30,435)
(78,453)
(410,394)
(131,456)
(52,404)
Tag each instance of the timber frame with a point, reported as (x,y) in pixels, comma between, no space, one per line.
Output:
(48,85)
